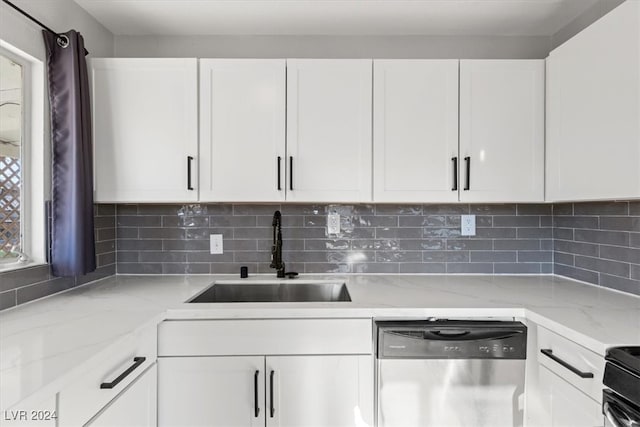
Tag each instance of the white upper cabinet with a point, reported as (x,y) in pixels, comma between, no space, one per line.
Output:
(415,133)
(145,129)
(593,111)
(502,130)
(329,130)
(242,129)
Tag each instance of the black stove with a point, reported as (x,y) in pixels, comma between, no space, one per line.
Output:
(621,400)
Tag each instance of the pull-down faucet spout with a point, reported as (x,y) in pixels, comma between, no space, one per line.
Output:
(276,248)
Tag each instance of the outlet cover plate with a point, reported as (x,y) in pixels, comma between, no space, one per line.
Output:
(468,225)
(333,223)
(216,243)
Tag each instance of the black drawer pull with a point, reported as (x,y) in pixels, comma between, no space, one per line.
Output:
(467,185)
(256,408)
(455,173)
(549,353)
(137,361)
(279,160)
(189,160)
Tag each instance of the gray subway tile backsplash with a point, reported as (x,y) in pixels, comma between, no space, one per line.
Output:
(388,238)
(28,284)
(597,242)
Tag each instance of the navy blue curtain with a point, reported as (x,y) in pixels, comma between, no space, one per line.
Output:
(72,239)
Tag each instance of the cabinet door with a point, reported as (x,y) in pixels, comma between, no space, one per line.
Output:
(319,391)
(593,110)
(502,130)
(566,406)
(145,129)
(211,391)
(242,129)
(415,134)
(329,130)
(135,406)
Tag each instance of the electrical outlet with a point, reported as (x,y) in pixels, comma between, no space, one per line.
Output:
(216,243)
(468,225)
(333,223)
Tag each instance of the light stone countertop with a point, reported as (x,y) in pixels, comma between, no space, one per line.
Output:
(43,343)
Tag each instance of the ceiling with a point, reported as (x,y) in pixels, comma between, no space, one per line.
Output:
(336,17)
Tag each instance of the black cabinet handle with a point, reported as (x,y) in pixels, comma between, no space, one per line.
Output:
(279,160)
(290,172)
(256,407)
(272,409)
(467,184)
(549,353)
(137,361)
(455,173)
(189,160)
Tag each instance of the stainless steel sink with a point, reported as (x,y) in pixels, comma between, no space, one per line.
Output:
(273,291)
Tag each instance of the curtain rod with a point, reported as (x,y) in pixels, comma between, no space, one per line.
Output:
(62,40)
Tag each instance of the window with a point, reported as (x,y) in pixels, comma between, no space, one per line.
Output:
(23,159)
(11,159)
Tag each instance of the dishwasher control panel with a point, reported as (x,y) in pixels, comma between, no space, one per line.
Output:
(451,339)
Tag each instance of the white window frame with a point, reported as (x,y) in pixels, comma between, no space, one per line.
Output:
(32,165)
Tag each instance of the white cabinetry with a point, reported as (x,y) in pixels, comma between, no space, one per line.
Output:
(329,390)
(135,406)
(335,390)
(564,382)
(298,372)
(242,129)
(502,130)
(329,130)
(415,133)
(109,377)
(498,108)
(593,111)
(145,129)
(211,391)
(566,406)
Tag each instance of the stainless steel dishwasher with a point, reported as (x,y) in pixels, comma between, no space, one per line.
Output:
(450,373)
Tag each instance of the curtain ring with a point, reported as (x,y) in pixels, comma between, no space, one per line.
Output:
(63,41)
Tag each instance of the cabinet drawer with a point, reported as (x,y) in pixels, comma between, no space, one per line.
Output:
(267,336)
(83,398)
(575,355)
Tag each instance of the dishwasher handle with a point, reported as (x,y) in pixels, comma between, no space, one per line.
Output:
(457,334)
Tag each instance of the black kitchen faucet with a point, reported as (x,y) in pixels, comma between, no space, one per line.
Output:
(276,248)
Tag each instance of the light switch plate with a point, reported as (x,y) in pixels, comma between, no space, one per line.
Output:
(216,243)
(333,223)
(468,225)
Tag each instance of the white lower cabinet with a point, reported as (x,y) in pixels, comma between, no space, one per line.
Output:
(320,390)
(564,382)
(211,391)
(109,378)
(270,372)
(134,407)
(564,405)
(281,391)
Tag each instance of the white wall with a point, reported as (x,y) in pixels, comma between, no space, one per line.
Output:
(332,46)
(59,15)
(584,20)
